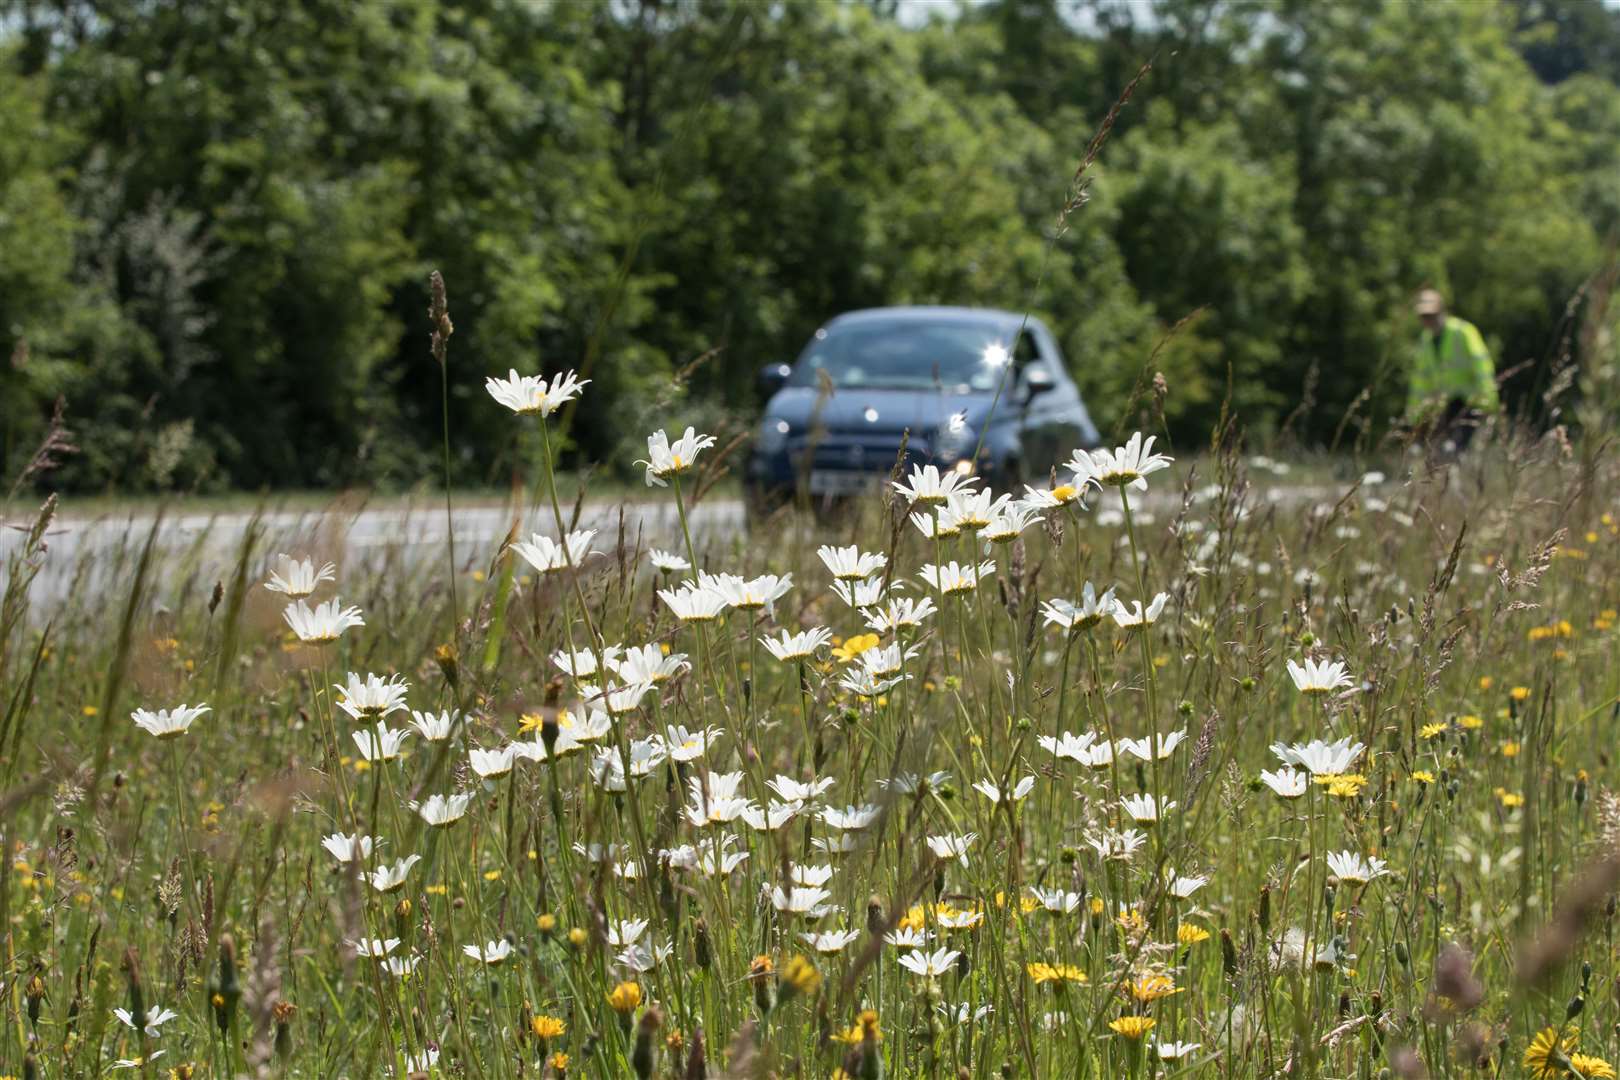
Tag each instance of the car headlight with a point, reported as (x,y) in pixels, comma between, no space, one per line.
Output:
(955,438)
(773,435)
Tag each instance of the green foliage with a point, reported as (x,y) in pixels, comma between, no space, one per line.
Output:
(215,248)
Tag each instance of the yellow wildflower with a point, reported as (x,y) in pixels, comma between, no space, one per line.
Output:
(1544,1057)
(1190,934)
(547,1027)
(1058,973)
(625,997)
(854,646)
(1132,1027)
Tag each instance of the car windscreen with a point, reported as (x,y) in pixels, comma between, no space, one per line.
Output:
(959,356)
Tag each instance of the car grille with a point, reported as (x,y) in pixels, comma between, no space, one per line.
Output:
(851,454)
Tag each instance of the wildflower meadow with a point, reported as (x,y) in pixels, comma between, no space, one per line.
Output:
(1165,766)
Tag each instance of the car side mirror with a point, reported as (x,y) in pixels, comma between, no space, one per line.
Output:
(772,377)
(1038,379)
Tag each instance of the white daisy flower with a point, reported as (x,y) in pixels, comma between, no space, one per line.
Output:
(322,624)
(1286,782)
(1320,758)
(1352,867)
(1090,611)
(374,948)
(585,663)
(831,941)
(770,818)
(495,952)
(1067,745)
(667,562)
(649,664)
(692,603)
(951,578)
(1132,617)
(1019,792)
(927,486)
(423,1062)
(1174,1051)
(440,810)
(1319,678)
(1144,809)
(582,725)
(683,745)
(1057,901)
(346,848)
(809,902)
(530,395)
(910,783)
(701,858)
(930,965)
(1183,887)
(952,846)
(976,509)
(1062,495)
(618,700)
(435,727)
(1116,845)
(902,612)
(298,578)
(403,967)
(1125,466)
(1144,748)
(607,769)
(802,874)
(666,459)
(387,879)
(491,764)
(859,594)
(643,958)
(381,744)
(853,818)
(907,938)
(959,918)
(715,799)
(790,790)
(371,697)
(548,556)
(788,647)
(168,723)
(864,684)
(625,932)
(849,563)
(943,524)
(1011,521)
(150,1024)
(887,661)
(137,1063)
(752,594)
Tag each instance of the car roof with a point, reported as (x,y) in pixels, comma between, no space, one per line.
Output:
(1006,320)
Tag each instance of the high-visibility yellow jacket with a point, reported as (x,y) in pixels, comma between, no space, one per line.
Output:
(1453,365)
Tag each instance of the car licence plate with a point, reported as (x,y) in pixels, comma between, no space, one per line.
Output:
(826,482)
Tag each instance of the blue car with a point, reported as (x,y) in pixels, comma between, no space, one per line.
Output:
(835,419)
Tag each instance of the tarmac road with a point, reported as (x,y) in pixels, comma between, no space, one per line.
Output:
(94,552)
(97,553)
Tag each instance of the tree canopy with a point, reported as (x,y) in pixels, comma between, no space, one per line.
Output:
(217,220)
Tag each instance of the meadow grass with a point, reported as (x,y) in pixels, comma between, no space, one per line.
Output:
(920,849)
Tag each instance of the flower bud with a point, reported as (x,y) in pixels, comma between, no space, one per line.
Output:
(34,992)
(697,1066)
(645,1055)
(700,945)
